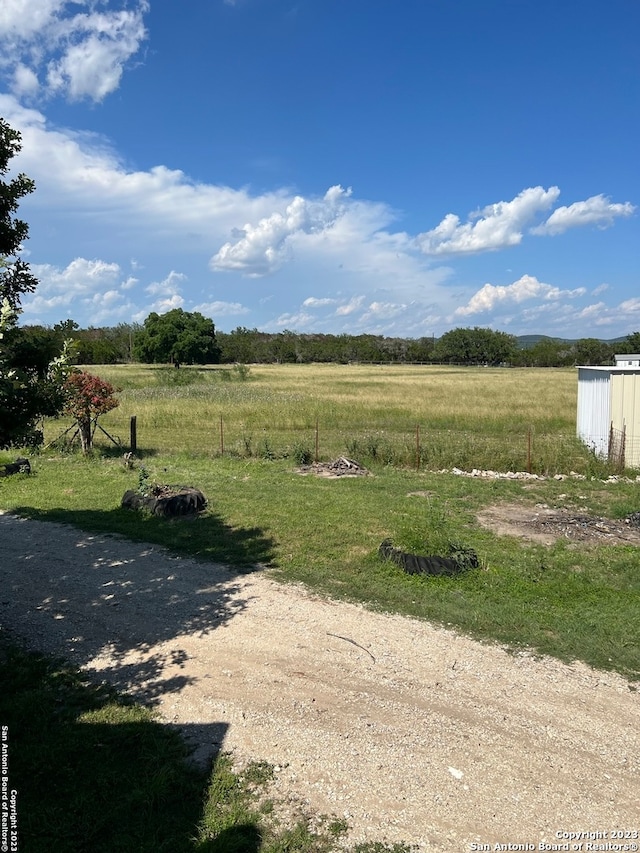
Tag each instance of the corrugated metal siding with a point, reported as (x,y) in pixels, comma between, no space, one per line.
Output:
(625,413)
(594,408)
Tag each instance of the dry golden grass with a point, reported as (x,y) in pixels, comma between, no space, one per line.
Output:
(469,417)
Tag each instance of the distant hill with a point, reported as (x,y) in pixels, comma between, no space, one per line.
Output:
(528,341)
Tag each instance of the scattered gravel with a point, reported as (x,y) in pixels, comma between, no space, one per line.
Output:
(412,733)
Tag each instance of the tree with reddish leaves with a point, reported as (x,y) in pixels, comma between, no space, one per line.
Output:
(87,397)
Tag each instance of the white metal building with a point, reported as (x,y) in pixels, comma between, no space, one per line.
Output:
(627,360)
(609,409)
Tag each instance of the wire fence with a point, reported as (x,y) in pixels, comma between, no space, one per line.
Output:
(416,445)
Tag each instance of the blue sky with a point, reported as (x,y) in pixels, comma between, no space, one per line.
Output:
(337,166)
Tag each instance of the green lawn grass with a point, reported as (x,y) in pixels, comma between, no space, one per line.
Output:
(573,602)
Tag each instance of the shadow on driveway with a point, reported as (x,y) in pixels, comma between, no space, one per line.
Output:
(96,597)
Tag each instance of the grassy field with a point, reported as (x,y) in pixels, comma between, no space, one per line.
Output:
(436,417)
(575,602)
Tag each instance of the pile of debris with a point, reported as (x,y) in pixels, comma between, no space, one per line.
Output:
(341,467)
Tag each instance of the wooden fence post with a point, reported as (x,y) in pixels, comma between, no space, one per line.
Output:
(221,437)
(417,447)
(133,432)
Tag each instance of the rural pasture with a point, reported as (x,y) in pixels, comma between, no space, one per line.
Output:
(571,596)
(439,417)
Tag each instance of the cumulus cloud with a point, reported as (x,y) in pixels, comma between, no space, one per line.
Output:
(221,309)
(597,210)
(382,311)
(168,293)
(489,297)
(263,248)
(21,20)
(80,172)
(294,322)
(95,284)
(168,286)
(25,81)
(68,48)
(314,302)
(79,277)
(496,226)
(354,304)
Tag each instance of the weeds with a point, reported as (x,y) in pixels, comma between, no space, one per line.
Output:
(301,454)
(241,372)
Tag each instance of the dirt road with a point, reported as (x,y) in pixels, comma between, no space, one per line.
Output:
(411,732)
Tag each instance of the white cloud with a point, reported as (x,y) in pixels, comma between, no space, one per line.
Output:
(294,322)
(496,226)
(81,276)
(79,172)
(168,286)
(221,309)
(94,284)
(314,302)
(22,19)
(264,248)
(384,310)
(631,305)
(377,277)
(597,210)
(354,304)
(80,54)
(25,81)
(489,297)
(160,306)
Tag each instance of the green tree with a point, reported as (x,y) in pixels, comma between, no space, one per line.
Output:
(238,346)
(632,344)
(15,276)
(590,351)
(550,352)
(177,337)
(30,381)
(420,350)
(475,346)
(31,348)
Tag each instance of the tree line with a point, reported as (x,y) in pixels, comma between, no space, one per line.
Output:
(181,337)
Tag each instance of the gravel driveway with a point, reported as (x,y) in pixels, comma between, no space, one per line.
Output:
(413,733)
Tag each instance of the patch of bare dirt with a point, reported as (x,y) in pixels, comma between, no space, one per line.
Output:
(410,732)
(542,523)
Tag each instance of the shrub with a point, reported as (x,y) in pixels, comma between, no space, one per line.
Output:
(87,397)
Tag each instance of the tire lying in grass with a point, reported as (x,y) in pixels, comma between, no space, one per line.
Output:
(460,561)
(20,466)
(167,501)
